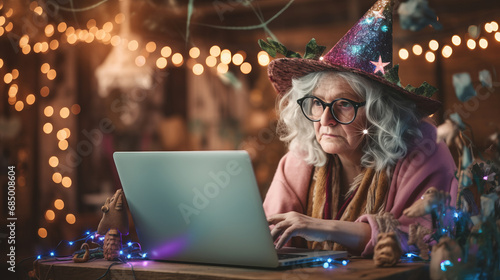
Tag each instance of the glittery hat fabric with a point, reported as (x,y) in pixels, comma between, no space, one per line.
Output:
(366,49)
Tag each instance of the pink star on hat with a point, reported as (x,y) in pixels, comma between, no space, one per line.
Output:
(379,65)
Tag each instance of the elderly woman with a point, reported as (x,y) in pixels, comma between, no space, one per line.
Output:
(360,145)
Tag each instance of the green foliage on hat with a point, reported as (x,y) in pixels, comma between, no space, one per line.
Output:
(272,47)
(425,89)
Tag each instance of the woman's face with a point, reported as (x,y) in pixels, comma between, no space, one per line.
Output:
(335,138)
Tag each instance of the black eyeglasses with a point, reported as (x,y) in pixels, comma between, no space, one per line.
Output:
(343,110)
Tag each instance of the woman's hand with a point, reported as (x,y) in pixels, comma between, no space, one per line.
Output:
(293,224)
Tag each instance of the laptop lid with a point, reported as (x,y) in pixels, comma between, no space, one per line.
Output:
(201,206)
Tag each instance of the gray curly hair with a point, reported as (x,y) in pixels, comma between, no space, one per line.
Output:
(393,120)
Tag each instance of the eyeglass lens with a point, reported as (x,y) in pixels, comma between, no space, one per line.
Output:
(343,110)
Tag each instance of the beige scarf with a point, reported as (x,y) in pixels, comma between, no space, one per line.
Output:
(367,195)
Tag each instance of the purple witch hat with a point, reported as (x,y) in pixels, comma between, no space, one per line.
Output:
(366,49)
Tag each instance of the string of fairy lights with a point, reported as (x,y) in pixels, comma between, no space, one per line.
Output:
(471,39)
(218,61)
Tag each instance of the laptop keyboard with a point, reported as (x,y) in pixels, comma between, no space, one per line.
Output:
(289,256)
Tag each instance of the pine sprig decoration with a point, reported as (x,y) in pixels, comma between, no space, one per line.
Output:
(273,47)
(425,89)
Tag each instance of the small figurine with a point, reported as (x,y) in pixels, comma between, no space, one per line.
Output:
(387,251)
(430,200)
(113,225)
(445,257)
(416,235)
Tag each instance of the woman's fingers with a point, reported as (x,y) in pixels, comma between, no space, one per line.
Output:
(285,237)
(276,218)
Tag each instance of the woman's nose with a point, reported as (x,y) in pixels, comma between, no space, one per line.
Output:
(327,117)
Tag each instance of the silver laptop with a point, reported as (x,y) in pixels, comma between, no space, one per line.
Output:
(202,207)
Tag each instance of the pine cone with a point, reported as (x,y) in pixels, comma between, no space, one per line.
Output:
(112,244)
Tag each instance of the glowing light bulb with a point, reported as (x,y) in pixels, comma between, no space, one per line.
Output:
(263,58)
(177,59)
(471,44)
(70,218)
(417,49)
(44,92)
(194,52)
(211,61)
(66,182)
(133,45)
(404,54)
(215,51)
(166,51)
(50,215)
(42,232)
(483,43)
(222,68)
(47,128)
(456,40)
(150,47)
(225,56)
(30,99)
(198,69)
(446,51)
(365,131)
(246,68)
(161,63)
(238,59)
(433,45)
(430,57)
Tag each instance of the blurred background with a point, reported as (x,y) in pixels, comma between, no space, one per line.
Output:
(80,80)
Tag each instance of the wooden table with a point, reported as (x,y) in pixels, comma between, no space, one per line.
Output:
(355,269)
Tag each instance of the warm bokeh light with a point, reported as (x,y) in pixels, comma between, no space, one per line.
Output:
(7,78)
(2,20)
(15,74)
(177,59)
(50,215)
(115,40)
(13,90)
(222,68)
(66,182)
(42,232)
(53,160)
(76,109)
(19,106)
(215,51)
(238,59)
(59,204)
(1,63)
(37,47)
(64,112)
(497,36)
(30,99)
(119,18)
(70,31)
(446,51)
(70,218)
(72,38)
(51,75)
(45,47)
(12,100)
(24,41)
(45,68)
(49,30)
(246,68)
(44,91)
(483,43)
(430,56)
(198,69)
(91,23)
(487,27)
(471,44)
(263,58)
(194,52)
(108,27)
(68,132)
(433,45)
(133,45)
(57,178)
(63,145)
(161,63)
(417,49)
(151,47)
(456,40)
(61,134)
(61,27)
(225,56)
(100,34)
(10,12)
(211,61)
(26,49)
(54,44)
(9,27)
(166,51)
(494,26)
(47,128)
(140,61)
(48,111)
